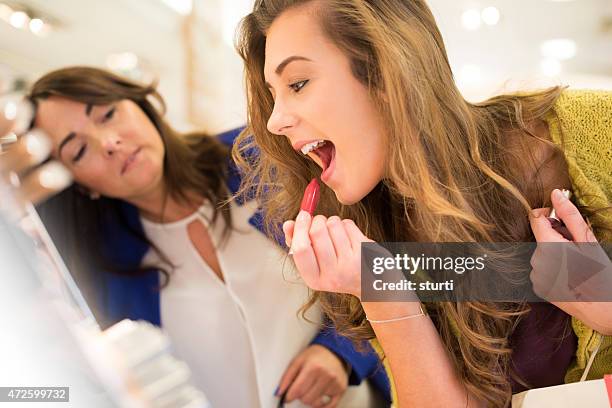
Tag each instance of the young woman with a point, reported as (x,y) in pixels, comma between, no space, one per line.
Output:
(145,231)
(361,94)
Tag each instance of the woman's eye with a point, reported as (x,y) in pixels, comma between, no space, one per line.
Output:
(109,114)
(80,154)
(297,86)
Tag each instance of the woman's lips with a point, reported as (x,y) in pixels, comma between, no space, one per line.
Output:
(130,161)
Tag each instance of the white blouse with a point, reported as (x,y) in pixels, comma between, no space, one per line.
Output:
(237,336)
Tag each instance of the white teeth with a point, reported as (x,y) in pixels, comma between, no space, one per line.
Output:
(307,148)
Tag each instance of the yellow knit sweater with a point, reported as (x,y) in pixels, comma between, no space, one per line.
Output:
(581,123)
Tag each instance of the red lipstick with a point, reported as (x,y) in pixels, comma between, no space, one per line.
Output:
(311,197)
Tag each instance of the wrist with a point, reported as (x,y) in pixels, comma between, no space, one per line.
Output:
(345,364)
(390,310)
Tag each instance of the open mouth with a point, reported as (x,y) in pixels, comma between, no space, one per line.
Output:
(321,151)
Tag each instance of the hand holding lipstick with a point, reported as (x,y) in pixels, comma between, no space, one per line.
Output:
(326,251)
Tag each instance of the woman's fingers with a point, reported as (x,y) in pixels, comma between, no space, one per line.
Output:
(17,163)
(15,114)
(290,374)
(300,386)
(335,392)
(355,235)
(288,231)
(339,237)
(303,253)
(322,244)
(541,227)
(315,394)
(567,212)
(539,212)
(571,217)
(327,253)
(43,182)
(29,150)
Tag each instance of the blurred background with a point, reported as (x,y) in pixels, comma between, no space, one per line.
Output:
(187,45)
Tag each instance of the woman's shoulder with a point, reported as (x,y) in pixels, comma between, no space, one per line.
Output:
(226,138)
(580,124)
(584,101)
(591,345)
(581,116)
(579,127)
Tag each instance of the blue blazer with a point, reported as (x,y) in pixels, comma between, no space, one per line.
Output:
(137,297)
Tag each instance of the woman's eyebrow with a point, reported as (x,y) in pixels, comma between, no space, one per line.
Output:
(279,69)
(72,135)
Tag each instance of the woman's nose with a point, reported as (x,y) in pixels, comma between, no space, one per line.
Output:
(281,120)
(111,143)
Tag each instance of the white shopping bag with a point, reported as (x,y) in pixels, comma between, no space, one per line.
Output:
(590,394)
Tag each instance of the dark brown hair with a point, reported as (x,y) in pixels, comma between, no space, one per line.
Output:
(194,162)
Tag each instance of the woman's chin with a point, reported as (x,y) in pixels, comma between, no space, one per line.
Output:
(346,199)
(350,196)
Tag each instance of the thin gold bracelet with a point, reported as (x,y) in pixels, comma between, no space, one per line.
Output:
(397,319)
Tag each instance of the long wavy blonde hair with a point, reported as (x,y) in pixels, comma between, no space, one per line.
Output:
(457,171)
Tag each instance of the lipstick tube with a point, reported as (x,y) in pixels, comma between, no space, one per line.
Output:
(311,197)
